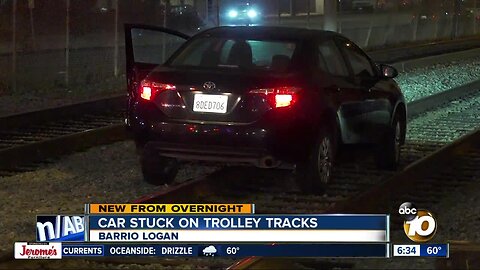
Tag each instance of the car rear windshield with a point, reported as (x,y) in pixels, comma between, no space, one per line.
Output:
(214,52)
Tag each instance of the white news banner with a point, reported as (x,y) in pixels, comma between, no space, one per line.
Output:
(238,235)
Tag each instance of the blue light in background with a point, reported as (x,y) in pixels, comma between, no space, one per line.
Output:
(232,13)
(252,13)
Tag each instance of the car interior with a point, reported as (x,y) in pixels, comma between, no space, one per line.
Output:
(240,54)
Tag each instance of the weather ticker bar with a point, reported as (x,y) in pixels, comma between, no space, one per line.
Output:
(369,250)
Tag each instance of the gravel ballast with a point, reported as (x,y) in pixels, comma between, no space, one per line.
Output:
(107,174)
(422,82)
(457,211)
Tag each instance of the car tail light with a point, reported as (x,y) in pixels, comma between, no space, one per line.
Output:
(146,92)
(149,89)
(279,96)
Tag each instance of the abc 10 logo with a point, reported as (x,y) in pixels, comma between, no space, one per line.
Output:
(419,224)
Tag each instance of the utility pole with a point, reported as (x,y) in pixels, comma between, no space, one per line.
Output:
(164,40)
(475,14)
(207,18)
(308,13)
(279,11)
(14,46)
(31,6)
(218,12)
(330,15)
(115,46)
(67,43)
(292,9)
(456,10)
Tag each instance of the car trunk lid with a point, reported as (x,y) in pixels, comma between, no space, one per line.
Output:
(200,95)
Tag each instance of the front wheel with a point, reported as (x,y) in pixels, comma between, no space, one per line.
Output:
(389,148)
(314,175)
(158,170)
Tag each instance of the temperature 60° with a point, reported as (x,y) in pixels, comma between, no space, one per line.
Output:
(433,250)
(232,250)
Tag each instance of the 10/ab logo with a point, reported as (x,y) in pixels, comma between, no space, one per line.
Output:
(419,224)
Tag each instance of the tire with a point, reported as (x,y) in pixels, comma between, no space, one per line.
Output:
(314,175)
(158,170)
(389,148)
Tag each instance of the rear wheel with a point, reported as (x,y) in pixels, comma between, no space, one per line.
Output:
(158,170)
(388,150)
(314,175)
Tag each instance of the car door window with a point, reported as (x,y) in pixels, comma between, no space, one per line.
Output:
(330,59)
(196,57)
(361,65)
(152,46)
(227,47)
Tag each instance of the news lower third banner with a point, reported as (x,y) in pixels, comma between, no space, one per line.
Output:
(24,250)
(169,209)
(205,223)
(239,228)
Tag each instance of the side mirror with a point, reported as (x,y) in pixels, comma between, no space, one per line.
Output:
(387,71)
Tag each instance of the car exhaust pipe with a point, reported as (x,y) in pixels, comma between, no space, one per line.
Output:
(268,162)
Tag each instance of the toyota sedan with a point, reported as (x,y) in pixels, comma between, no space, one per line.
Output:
(263,96)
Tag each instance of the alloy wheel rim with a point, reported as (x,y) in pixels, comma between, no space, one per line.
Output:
(324,160)
(398,136)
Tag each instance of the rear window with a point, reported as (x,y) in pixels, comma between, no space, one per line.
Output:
(215,52)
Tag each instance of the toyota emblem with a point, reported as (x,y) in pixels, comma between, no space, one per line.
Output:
(209,86)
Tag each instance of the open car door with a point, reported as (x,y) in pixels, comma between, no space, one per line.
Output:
(147,47)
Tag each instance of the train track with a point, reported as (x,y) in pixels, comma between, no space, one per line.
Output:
(423,49)
(31,139)
(27,140)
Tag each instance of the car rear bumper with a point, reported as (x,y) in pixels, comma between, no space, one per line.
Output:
(276,136)
(255,156)
(256,144)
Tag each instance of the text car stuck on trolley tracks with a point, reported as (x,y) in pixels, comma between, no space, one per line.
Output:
(258,95)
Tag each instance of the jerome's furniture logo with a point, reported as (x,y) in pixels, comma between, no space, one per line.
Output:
(26,250)
(419,224)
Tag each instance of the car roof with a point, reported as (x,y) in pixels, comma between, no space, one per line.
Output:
(271,32)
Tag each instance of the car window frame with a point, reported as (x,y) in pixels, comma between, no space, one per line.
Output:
(317,53)
(340,41)
(293,59)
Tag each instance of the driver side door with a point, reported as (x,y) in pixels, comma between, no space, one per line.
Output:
(376,106)
(147,47)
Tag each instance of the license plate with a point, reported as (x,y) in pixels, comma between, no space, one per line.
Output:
(210,103)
